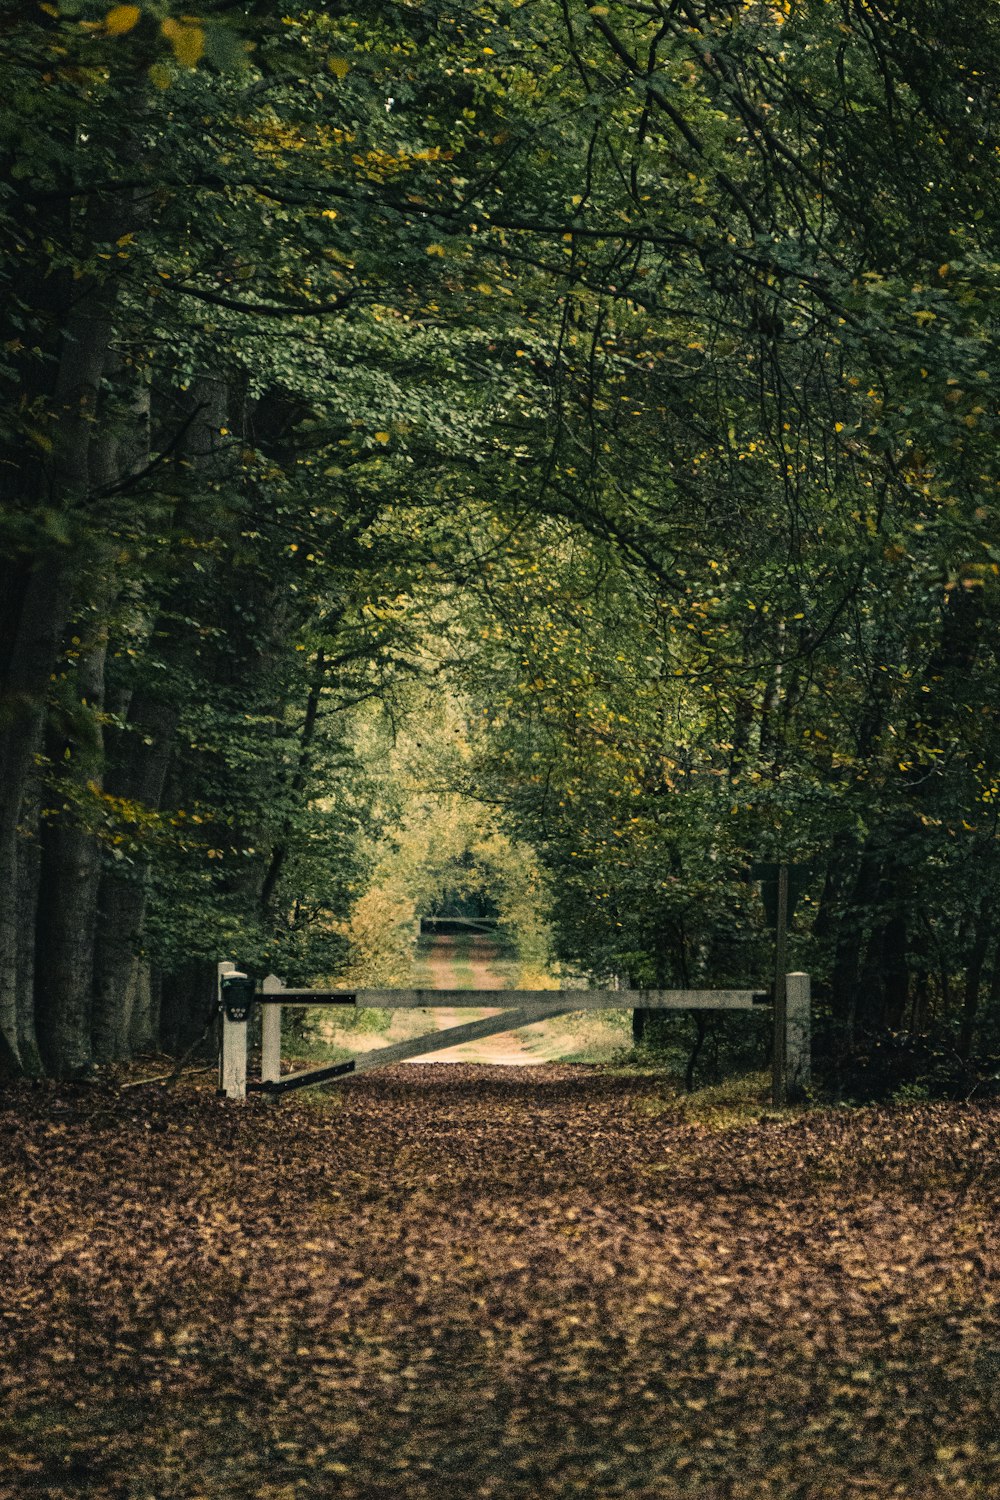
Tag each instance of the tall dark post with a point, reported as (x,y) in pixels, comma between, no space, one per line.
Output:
(779,1066)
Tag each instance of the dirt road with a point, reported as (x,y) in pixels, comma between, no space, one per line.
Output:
(474,963)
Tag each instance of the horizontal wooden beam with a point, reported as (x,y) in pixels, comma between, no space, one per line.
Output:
(568,1000)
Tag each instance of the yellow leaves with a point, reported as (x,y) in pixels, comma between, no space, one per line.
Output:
(186,38)
(328,213)
(435,250)
(485,288)
(383,437)
(380,165)
(924,315)
(121,18)
(338,66)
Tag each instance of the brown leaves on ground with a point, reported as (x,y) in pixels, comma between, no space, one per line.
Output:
(473,1282)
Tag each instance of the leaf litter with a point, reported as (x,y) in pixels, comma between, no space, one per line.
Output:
(477,1282)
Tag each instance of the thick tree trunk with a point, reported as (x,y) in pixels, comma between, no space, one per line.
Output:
(67,915)
(65,953)
(40,613)
(44,605)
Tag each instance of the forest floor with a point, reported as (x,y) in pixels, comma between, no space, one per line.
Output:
(456,1283)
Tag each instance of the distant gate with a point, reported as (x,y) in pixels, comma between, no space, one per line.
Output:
(455,926)
(238,994)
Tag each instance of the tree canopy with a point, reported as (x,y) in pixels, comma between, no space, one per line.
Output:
(626,371)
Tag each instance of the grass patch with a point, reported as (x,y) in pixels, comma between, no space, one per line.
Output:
(730,1105)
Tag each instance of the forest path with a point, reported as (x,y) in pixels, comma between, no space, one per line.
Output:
(473,962)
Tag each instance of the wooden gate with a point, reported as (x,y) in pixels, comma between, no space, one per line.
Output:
(238,995)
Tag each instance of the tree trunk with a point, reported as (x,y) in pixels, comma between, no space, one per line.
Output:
(29,873)
(65,953)
(895,971)
(701,1031)
(40,612)
(67,917)
(847,955)
(188,1007)
(973,980)
(122,897)
(145,1034)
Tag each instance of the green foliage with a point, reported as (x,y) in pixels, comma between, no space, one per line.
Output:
(629,373)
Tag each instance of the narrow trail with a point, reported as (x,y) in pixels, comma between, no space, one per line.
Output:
(472,963)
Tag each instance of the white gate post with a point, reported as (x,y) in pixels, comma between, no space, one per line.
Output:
(270,1032)
(798,1033)
(233,1053)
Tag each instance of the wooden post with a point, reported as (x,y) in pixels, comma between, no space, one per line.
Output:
(779,1075)
(798,1034)
(270,1033)
(233,1053)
